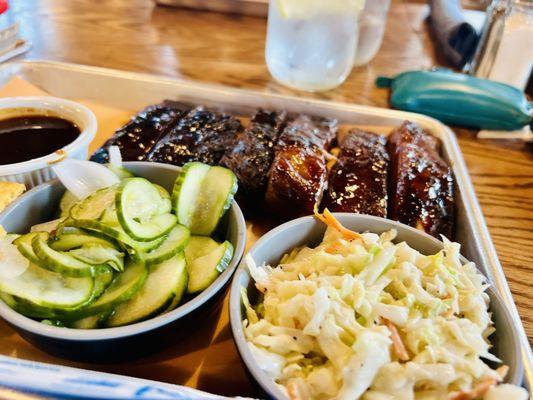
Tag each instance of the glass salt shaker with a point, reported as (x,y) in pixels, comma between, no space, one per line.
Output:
(505,52)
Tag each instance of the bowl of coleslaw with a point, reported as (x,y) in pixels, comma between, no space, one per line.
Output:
(349,306)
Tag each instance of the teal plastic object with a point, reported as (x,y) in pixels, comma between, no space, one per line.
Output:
(458,99)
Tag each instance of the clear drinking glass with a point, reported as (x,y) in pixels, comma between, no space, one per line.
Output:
(371,30)
(311,44)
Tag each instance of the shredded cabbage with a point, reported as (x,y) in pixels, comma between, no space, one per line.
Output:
(370,319)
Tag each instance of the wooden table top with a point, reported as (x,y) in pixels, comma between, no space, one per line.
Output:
(135,35)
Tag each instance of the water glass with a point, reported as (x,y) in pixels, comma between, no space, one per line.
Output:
(311,44)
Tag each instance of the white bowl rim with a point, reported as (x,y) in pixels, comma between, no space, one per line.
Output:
(267,384)
(54,104)
(38,328)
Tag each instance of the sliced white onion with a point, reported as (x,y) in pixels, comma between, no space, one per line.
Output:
(115,158)
(12,263)
(82,178)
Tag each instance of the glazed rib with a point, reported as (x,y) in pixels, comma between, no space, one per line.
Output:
(137,138)
(251,156)
(358,180)
(298,177)
(409,132)
(421,187)
(201,135)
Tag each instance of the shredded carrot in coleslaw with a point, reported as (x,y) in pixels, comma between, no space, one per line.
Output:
(334,247)
(294,393)
(397,343)
(477,392)
(327,218)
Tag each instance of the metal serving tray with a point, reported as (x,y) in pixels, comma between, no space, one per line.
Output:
(133,91)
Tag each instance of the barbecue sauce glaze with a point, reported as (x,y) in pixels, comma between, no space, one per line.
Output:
(27,137)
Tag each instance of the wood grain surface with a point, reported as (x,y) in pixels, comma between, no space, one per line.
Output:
(135,35)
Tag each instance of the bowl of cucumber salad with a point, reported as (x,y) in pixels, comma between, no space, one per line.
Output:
(122,271)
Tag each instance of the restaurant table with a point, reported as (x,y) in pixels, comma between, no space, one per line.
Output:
(137,36)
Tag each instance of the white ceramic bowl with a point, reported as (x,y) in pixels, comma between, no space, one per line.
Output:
(37,171)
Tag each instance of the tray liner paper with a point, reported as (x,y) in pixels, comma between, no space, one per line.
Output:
(207,360)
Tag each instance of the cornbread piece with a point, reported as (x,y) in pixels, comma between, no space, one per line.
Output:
(358,181)
(298,176)
(421,184)
(251,156)
(9,191)
(142,132)
(201,135)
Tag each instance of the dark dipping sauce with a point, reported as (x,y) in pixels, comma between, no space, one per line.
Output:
(34,136)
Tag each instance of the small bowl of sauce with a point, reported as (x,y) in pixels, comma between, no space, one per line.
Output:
(23,136)
(36,132)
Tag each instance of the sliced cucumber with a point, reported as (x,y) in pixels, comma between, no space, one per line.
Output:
(150,230)
(201,196)
(117,233)
(94,205)
(24,245)
(156,294)
(123,287)
(64,226)
(145,246)
(120,172)
(8,299)
(199,246)
(55,311)
(204,270)
(75,238)
(109,217)
(65,204)
(166,203)
(180,290)
(97,254)
(174,243)
(186,191)
(49,226)
(91,322)
(137,198)
(53,322)
(102,282)
(110,226)
(28,308)
(215,198)
(61,262)
(49,289)
(137,203)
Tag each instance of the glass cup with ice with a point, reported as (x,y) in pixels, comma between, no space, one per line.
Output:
(311,44)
